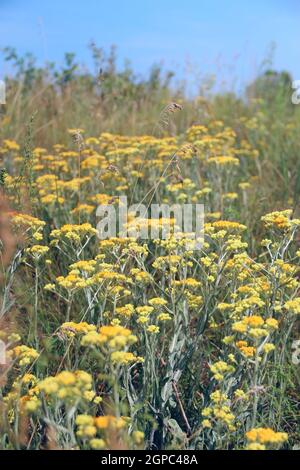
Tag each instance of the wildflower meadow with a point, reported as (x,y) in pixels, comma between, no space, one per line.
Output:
(135,342)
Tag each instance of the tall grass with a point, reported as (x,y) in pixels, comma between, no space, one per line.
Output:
(126,344)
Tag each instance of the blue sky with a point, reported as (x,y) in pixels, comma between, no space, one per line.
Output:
(228,38)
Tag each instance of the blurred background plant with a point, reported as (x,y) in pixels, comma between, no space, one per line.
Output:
(113,99)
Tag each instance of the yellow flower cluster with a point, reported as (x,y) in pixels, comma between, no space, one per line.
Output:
(259,438)
(73,232)
(219,413)
(96,430)
(255,326)
(293,306)
(68,386)
(149,315)
(70,329)
(23,355)
(220,369)
(112,338)
(280,220)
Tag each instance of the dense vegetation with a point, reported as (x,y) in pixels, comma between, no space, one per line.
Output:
(127,343)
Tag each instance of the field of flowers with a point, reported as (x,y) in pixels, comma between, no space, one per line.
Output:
(130,344)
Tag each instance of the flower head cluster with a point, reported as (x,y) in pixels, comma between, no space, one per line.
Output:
(67,386)
(74,233)
(255,326)
(260,438)
(219,412)
(220,369)
(24,355)
(280,220)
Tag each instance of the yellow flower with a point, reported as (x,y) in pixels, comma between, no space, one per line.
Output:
(67,386)
(266,436)
(138,437)
(71,328)
(268,347)
(248,351)
(206,423)
(220,368)
(293,306)
(86,431)
(153,329)
(278,219)
(37,251)
(272,323)
(124,358)
(32,405)
(240,394)
(125,311)
(106,422)
(84,420)
(164,317)
(144,311)
(255,446)
(218,397)
(97,444)
(206,412)
(254,321)
(92,338)
(157,302)
(221,161)
(24,355)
